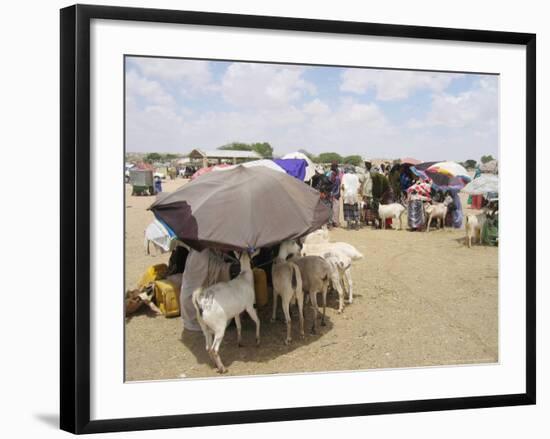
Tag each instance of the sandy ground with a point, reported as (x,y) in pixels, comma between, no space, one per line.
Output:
(421,299)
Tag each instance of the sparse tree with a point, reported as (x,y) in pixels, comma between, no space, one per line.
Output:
(309,155)
(152,157)
(486,158)
(328,157)
(354,160)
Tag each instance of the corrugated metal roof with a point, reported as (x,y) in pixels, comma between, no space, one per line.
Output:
(228,154)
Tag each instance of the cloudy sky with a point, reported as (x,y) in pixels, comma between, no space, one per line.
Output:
(175,105)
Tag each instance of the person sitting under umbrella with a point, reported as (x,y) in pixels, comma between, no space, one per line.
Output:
(202,269)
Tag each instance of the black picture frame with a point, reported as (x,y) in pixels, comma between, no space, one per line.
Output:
(75,217)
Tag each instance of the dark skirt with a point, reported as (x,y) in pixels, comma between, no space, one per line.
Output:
(416,214)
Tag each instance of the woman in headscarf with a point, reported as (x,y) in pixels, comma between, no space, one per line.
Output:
(417,194)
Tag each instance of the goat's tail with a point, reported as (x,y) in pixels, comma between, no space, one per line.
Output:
(195,299)
(294,279)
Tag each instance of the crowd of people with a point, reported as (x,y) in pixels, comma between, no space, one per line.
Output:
(363,190)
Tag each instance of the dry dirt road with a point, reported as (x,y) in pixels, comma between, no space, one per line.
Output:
(421,299)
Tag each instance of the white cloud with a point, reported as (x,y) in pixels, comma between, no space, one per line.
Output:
(277,104)
(393,84)
(262,86)
(191,73)
(475,108)
(151,91)
(316,107)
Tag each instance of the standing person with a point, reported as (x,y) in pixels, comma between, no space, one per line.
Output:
(202,269)
(456,209)
(350,189)
(158,185)
(395,184)
(417,194)
(366,192)
(334,176)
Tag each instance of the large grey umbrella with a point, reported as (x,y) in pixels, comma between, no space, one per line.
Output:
(485,183)
(241,208)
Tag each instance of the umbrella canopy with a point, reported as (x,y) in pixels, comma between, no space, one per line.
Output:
(485,183)
(410,161)
(203,171)
(293,167)
(263,162)
(444,175)
(242,208)
(310,168)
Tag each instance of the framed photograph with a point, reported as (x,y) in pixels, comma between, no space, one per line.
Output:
(378,178)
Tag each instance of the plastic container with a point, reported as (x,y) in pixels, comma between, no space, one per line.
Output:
(167,297)
(153,273)
(260,287)
(477,201)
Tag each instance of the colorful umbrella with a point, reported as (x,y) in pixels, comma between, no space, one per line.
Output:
(203,171)
(410,161)
(444,175)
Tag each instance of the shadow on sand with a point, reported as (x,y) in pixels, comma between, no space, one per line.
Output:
(272,335)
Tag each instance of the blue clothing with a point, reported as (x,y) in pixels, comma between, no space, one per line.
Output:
(335,179)
(457,212)
(405,181)
(158,186)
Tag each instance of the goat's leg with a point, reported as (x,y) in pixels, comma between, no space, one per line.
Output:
(347,273)
(315,308)
(429,222)
(336,282)
(300,300)
(238,325)
(254,316)
(206,332)
(274,305)
(218,337)
(324,295)
(286,308)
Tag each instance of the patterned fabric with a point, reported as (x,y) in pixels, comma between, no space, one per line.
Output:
(351,212)
(420,191)
(416,217)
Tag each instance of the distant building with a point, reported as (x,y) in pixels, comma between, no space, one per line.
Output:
(218,156)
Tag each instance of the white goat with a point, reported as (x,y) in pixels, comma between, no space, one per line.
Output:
(393,210)
(436,211)
(474,225)
(315,273)
(319,236)
(287,283)
(340,274)
(221,302)
(343,247)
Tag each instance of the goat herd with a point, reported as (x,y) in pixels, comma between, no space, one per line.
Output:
(299,273)
(296,270)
